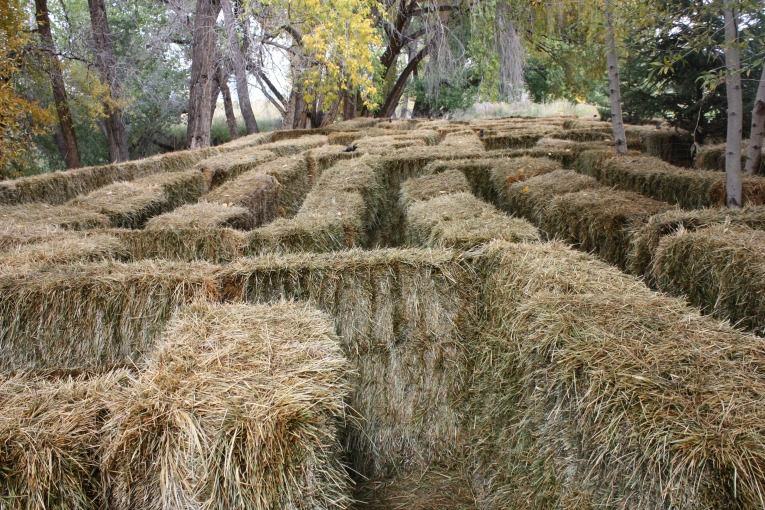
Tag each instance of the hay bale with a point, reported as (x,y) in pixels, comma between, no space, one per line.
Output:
(65,249)
(507,172)
(14,235)
(675,147)
(477,171)
(339,213)
(205,215)
(712,157)
(222,168)
(591,394)
(517,139)
(531,197)
(92,315)
(292,147)
(600,221)
(718,268)
(753,192)
(50,437)
(583,135)
(293,134)
(51,216)
(419,189)
(240,407)
(131,204)
(462,221)
(356,124)
(645,240)
(405,319)
(217,245)
(463,140)
(344,138)
(60,187)
(322,158)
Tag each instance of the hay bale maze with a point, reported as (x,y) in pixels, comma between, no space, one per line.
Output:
(439,317)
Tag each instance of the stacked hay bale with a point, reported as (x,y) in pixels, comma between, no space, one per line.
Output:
(92,315)
(674,147)
(67,248)
(645,240)
(37,216)
(509,171)
(131,204)
(466,140)
(324,157)
(531,197)
(445,215)
(405,318)
(292,147)
(599,221)
(592,391)
(203,242)
(691,189)
(718,268)
(50,429)
(240,407)
(515,139)
(339,213)
(228,166)
(477,171)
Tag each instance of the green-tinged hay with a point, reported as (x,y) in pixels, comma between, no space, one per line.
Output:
(574,123)
(462,221)
(674,147)
(566,156)
(359,123)
(50,437)
(583,135)
(562,144)
(518,139)
(382,145)
(645,240)
(322,158)
(718,268)
(530,198)
(435,488)
(591,391)
(204,215)
(623,401)
(244,142)
(463,141)
(240,407)
(60,187)
(51,216)
(296,146)
(507,172)
(600,221)
(91,315)
(65,249)
(219,169)
(404,317)
(276,188)
(340,212)
(477,171)
(217,245)
(590,162)
(418,189)
(712,157)
(131,204)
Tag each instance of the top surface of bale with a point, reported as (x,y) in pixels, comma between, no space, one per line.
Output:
(529,198)
(221,168)
(65,249)
(66,216)
(511,170)
(432,186)
(262,390)
(203,215)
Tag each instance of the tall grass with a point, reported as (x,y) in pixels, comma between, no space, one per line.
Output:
(528,109)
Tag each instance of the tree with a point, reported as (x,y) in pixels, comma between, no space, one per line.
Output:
(733,183)
(617,121)
(72,154)
(754,155)
(106,62)
(240,68)
(202,74)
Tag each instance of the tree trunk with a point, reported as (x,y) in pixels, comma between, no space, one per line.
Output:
(349,105)
(754,155)
(228,106)
(202,70)
(398,89)
(106,62)
(71,154)
(240,69)
(733,184)
(617,121)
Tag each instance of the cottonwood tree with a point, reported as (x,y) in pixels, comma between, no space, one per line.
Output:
(733,182)
(615,96)
(754,155)
(202,74)
(71,152)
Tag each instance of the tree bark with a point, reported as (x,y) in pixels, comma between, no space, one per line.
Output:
(733,182)
(349,105)
(202,73)
(107,63)
(612,59)
(754,156)
(240,69)
(398,89)
(71,155)
(228,104)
